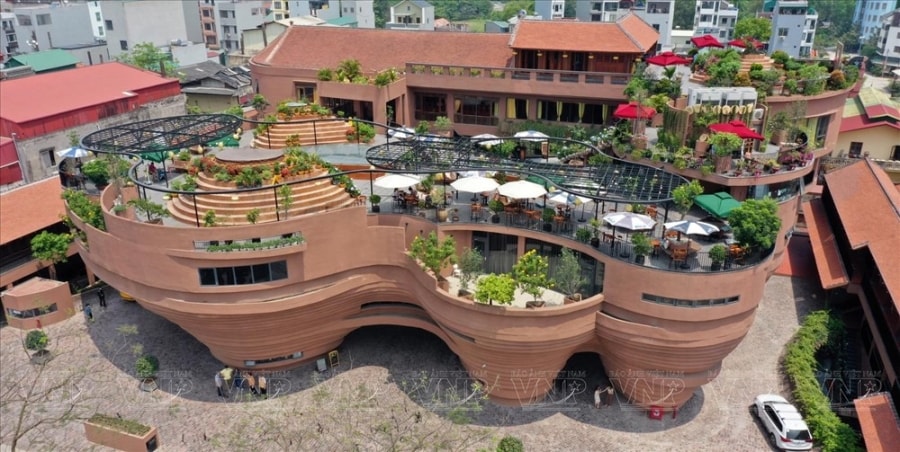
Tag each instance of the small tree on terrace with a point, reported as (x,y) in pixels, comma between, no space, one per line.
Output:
(48,246)
(471,264)
(684,194)
(433,253)
(530,273)
(500,288)
(568,273)
(756,223)
(146,55)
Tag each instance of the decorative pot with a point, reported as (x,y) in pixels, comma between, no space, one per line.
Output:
(376,208)
(442,215)
(495,218)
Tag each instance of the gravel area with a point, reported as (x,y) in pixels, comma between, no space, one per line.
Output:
(391,382)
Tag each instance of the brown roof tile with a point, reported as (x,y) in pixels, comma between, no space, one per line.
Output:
(878,422)
(869,210)
(30,208)
(302,47)
(828,258)
(629,34)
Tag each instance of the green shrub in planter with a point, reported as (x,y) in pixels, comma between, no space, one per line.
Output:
(510,444)
(36,340)
(122,425)
(146,366)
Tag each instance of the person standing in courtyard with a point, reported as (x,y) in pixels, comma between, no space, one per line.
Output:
(227,375)
(597,396)
(88,313)
(219,383)
(101,297)
(610,394)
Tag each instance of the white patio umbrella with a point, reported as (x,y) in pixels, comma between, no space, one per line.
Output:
(73,153)
(531,135)
(402,133)
(691,227)
(396,181)
(629,220)
(561,197)
(522,189)
(475,184)
(487,139)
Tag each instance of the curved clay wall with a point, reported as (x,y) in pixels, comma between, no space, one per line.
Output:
(352,259)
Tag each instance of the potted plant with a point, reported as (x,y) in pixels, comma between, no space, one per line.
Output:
(583,235)
(153,211)
(640,244)
(568,276)
(547,215)
(375,200)
(531,274)
(434,254)
(496,207)
(717,254)
(253,216)
(724,145)
(120,434)
(97,171)
(443,125)
(146,367)
(471,264)
(595,232)
(210,219)
(500,288)
(37,341)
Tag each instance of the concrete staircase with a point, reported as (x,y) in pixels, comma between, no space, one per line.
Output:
(310,133)
(308,197)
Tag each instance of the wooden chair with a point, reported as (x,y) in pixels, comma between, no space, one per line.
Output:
(651,212)
(679,256)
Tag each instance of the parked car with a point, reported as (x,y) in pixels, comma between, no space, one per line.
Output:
(785,425)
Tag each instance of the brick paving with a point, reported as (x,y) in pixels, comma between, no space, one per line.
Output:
(342,409)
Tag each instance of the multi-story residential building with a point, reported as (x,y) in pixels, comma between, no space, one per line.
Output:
(871,129)
(715,17)
(889,40)
(868,15)
(793,26)
(208,24)
(551,9)
(157,21)
(412,15)
(12,37)
(235,16)
(40,111)
(52,26)
(96,14)
(351,13)
(659,14)
(280,9)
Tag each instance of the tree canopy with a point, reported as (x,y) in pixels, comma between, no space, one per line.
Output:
(755,27)
(756,223)
(146,55)
(500,288)
(531,273)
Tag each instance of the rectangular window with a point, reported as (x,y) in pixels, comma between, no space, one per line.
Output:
(97,17)
(896,49)
(782,31)
(123,44)
(48,157)
(822,129)
(476,110)
(29,313)
(207,277)
(100,31)
(43,19)
(685,303)
(108,24)
(305,91)
(429,106)
(855,149)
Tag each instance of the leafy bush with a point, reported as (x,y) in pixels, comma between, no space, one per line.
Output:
(471,264)
(36,340)
(88,211)
(146,366)
(325,74)
(819,329)
(500,288)
(510,444)
(433,253)
(756,223)
(48,246)
(531,273)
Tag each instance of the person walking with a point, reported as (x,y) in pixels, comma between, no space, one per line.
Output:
(219,383)
(597,397)
(88,313)
(610,394)
(227,375)
(101,297)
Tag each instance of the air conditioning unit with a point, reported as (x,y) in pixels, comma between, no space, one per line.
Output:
(758,114)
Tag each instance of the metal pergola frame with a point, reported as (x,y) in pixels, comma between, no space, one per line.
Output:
(163,134)
(617,181)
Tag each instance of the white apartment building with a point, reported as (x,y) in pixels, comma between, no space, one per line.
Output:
(715,17)
(234,16)
(889,40)
(868,15)
(96,15)
(46,27)
(12,37)
(658,13)
(158,21)
(550,9)
(354,13)
(793,28)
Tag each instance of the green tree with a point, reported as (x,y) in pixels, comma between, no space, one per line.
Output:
(149,208)
(684,194)
(755,27)
(348,70)
(52,247)
(433,253)
(512,8)
(531,274)
(500,288)
(567,273)
(286,198)
(145,55)
(462,9)
(756,223)
(37,340)
(471,264)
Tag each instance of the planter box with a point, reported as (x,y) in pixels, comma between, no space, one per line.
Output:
(110,437)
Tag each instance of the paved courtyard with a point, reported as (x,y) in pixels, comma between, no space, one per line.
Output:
(394,388)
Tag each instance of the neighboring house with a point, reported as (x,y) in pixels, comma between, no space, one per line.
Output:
(496,26)
(208,28)
(213,87)
(680,40)
(659,14)
(12,37)
(40,111)
(889,40)
(234,16)
(349,13)
(97,24)
(288,69)
(868,15)
(44,61)
(156,21)
(55,25)
(89,54)
(257,38)
(871,126)
(715,17)
(854,229)
(551,9)
(412,15)
(793,27)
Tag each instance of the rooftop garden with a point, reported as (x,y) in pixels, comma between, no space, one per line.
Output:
(350,71)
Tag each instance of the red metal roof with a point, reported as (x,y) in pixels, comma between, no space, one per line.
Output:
(30,208)
(629,34)
(878,422)
(40,96)
(828,258)
(849,124)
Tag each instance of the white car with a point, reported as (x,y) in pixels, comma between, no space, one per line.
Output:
(785,425)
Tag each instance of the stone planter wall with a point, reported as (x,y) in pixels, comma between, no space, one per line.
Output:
(109,437)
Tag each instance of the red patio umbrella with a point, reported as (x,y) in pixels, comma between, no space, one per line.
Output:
(738,128)
(706,41)
(632,110)
(742,42)
(668,59)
